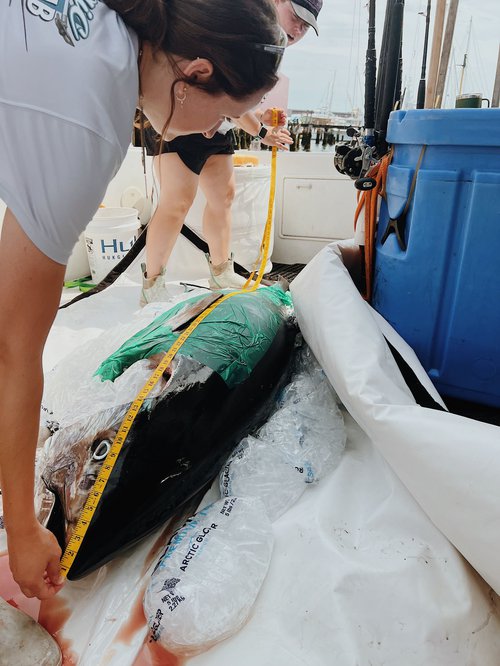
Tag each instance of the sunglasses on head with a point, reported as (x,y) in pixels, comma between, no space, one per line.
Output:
(276,49)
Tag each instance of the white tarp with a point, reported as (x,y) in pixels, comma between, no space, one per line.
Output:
(450,464)
(363,570)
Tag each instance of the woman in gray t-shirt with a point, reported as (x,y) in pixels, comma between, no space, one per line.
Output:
(72,76)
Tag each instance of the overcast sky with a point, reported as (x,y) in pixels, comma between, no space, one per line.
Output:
(332,65)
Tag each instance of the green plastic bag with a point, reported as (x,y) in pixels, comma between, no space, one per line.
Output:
(230,340)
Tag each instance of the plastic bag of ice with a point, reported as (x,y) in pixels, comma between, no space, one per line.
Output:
(207,580)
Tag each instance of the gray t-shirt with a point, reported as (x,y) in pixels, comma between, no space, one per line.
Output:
(68,92)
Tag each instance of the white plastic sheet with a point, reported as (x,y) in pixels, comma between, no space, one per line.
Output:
(360,574)
(450,464)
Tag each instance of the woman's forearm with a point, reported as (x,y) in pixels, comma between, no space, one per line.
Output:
(249,123)
(28,303)
(20,396)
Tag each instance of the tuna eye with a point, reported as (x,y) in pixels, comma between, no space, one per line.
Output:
(101,449)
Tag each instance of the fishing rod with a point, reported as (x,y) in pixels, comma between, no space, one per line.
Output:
(389,75)
(366,158)
(370,76)
(355,157)
(382,65)
(398,97)
(422,82)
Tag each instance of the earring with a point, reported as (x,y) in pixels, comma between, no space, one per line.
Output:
(182,97)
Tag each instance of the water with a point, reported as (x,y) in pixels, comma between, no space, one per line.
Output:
(337,135)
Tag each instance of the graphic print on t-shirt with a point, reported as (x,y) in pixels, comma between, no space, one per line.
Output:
(72,18)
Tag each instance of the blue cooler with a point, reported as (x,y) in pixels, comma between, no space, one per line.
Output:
(437,271)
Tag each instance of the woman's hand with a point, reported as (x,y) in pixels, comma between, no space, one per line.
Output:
(277,137)
(267,117)
(34,557)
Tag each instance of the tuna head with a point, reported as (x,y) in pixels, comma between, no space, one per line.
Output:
(74,455)
(73,459)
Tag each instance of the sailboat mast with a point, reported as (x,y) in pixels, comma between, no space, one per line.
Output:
(330,97)
(421,84)
(464,64)
(495,98)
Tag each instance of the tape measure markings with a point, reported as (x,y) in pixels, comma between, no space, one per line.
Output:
(76,539)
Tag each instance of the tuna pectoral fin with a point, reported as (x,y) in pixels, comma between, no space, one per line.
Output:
(56,522)
(49,508)
(50,514)
(44,509)
(191,310)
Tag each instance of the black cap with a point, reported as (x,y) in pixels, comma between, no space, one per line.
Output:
(308,11)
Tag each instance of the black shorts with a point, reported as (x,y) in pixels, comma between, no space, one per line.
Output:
(193,149)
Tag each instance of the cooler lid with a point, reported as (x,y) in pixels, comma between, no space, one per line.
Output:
(445,127)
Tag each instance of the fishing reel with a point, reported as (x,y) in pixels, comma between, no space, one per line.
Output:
(355,157)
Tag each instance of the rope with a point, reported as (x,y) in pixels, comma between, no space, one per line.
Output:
(368,200)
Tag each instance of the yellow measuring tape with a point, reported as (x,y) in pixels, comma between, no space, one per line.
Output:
(95,494)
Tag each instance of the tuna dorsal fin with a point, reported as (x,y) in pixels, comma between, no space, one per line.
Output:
(191,310)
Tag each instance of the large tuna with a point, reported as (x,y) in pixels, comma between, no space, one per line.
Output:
(220,386)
